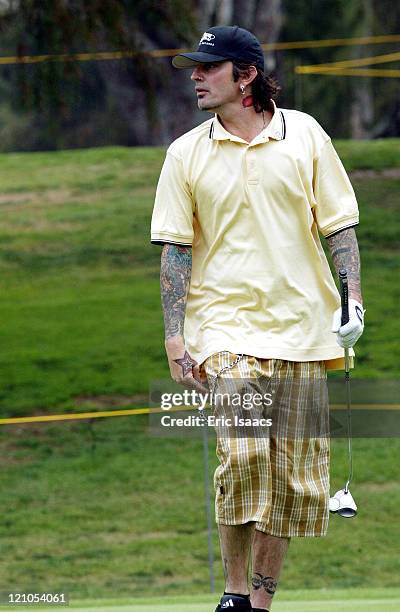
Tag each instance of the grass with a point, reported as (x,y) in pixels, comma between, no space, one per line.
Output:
(75,257)
(79,278)
(101,508)
(369,155)
(350,600)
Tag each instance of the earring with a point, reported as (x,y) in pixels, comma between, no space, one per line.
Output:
(242,88)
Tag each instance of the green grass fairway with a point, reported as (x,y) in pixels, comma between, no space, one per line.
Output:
(79,278)
(353,600)
(102,508)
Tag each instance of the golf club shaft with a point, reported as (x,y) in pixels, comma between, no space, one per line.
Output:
(344,293)
(349,428)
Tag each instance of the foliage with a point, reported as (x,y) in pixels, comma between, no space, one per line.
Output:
(143,100)
(66,95)
(334,100)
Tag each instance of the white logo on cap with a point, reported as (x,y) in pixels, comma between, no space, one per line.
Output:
(206,37)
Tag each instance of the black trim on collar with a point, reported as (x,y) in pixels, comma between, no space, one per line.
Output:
(283,126)
(211,132)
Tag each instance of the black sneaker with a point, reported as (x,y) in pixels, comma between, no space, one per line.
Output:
(234,602)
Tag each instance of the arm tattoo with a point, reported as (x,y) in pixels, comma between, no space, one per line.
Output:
(343,248)
(176,268)
(186,363)
(259,581)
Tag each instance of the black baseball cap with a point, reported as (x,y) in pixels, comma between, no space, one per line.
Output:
(223,43)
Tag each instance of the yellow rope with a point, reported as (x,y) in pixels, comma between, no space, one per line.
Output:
(136,411)
(333,42)
(352,63)
(362,72)
(88,415)
(113,55)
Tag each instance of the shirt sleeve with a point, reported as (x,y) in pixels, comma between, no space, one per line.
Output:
(336,205)
(172,219)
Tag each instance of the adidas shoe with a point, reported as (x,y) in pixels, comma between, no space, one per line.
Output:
(234,602)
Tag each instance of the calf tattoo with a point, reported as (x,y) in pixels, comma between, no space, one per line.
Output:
(186,363)
(267,583)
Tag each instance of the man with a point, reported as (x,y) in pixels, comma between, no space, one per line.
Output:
(247,292)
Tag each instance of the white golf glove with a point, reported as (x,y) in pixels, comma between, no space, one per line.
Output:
(347,335)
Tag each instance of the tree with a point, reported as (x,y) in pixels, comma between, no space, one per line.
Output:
(144,100)
(64,96)
(346,106)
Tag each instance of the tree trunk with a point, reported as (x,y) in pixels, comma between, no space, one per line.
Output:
(150,107)
(362,107)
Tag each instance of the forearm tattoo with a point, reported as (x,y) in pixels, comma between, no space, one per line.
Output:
(343,248)
(267,583)
(176,269)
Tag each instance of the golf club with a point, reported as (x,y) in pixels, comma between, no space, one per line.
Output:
(342,502)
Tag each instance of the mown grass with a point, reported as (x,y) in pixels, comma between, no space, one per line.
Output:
(369,155)
(79,278)
(104,509)
(351,600)
(100,507)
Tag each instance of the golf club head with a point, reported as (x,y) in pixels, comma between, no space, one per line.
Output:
(342,503)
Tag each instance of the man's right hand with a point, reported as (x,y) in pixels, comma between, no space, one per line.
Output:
(184,369)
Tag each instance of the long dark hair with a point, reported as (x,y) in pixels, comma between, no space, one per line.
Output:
(263,88)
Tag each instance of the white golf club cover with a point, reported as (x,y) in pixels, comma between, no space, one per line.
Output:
(343,503)
(347,335)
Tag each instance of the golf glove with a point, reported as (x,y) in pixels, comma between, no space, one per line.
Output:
(347,335)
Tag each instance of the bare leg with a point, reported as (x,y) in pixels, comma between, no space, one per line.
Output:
(268,553)
(235,543)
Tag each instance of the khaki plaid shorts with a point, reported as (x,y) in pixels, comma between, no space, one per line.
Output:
(278,480)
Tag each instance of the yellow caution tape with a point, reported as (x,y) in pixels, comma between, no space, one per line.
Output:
(136,411)
(350,67)
(333,42)
(87,415)
(86,57)
(362,72)
(352,63)
(113,55)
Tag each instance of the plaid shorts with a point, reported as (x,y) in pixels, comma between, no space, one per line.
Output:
(277,479)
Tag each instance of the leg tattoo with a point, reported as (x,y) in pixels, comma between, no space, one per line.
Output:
(259,581)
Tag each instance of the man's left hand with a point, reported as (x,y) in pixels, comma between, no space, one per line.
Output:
(347,335)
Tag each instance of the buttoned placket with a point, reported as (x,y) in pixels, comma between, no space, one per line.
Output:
(252,172)
(251,166)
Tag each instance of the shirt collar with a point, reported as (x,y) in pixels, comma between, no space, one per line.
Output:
(276,129)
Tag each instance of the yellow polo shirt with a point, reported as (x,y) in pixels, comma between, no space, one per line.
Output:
(260,284)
